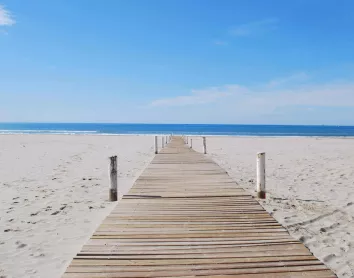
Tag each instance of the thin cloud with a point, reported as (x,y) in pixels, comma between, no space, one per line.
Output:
(220,42)
(255,27)
(196,97)
(6,18)
(293,78)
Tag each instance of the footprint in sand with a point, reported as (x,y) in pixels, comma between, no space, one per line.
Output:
(38,255)
(20,245)
(329,258)
(10,210)
(304,239)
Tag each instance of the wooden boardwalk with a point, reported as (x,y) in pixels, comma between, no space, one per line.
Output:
(185,217)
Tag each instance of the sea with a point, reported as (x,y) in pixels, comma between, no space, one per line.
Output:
(185,129)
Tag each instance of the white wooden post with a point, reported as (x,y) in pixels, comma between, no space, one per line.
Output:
(204,145)
(113,179)
(261,193)
(166,140)
(162,142)
(191,143)
(156,146)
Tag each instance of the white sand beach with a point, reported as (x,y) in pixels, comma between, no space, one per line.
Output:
(54,189)
(53,195)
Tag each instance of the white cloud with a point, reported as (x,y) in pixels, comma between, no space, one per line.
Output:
(255,27)
(305,103)
(6,18)
(338,94)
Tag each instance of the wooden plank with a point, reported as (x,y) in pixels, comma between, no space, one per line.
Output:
(185,217)
(110,262)
(192,272)
(188,268)
(268,253)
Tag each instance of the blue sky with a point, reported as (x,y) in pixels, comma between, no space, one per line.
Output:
(185,61)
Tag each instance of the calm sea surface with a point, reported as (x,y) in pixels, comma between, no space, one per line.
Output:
(188,129)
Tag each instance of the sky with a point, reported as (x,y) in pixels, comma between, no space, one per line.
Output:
(177,61)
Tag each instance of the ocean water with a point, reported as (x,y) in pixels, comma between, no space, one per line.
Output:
(187,129)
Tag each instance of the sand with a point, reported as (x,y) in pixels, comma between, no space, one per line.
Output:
(310,188)
(53,192)
(53,195)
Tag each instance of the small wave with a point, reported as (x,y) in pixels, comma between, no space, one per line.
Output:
(73,131)
(49,131)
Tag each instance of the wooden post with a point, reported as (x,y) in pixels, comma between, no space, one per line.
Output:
(204,145)
(113,178)
(162,142)
(156,146)
(166,140)
(191,143)
(261,175)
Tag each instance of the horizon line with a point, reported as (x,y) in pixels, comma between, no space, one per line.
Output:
(137,123)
